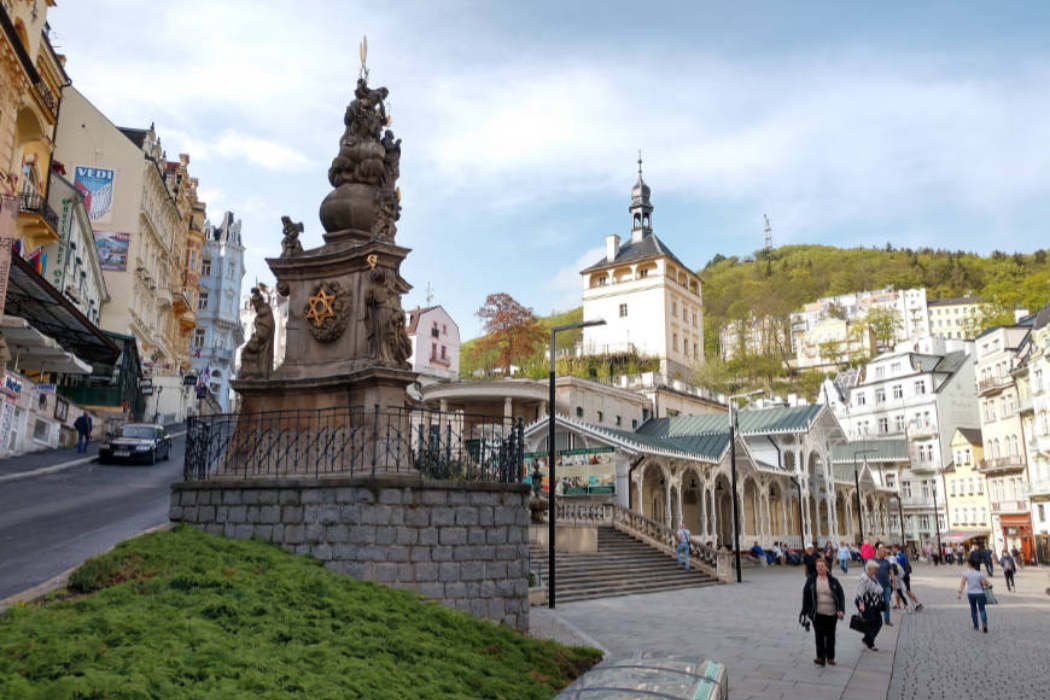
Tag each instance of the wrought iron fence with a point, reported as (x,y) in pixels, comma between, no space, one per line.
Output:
(355,441)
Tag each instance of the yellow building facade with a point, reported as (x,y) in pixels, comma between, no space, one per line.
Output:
(185,261)
(965,487)
(31,82)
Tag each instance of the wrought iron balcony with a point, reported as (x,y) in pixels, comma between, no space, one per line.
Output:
(922,429)
(34,203)
(47,97)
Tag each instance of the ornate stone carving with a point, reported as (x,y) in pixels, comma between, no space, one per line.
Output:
(365,171)
(290,244)
(257,354)
(327,311)
(388,342)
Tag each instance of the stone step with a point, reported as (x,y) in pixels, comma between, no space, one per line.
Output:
(568,596)
(566,581)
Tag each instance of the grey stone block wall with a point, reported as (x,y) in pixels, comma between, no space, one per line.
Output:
(464,544)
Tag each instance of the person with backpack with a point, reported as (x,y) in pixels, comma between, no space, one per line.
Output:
(904,578)
(681,538)
(1009,569)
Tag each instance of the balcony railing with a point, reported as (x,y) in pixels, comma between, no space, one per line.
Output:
(922,429)
(915,501)
(47,97)
(1010,506)
(992,383)
(1038,488)
(1001,463)
(33,203)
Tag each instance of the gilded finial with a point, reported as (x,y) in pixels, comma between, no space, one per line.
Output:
(372,260)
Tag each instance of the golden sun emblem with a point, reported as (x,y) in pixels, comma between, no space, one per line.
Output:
(320,307)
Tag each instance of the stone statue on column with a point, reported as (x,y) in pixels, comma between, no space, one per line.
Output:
(257,354)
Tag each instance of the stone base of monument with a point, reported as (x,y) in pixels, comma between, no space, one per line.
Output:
(463,544)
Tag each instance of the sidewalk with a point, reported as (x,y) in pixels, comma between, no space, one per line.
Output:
(45,458)
(751,627)
(61,457)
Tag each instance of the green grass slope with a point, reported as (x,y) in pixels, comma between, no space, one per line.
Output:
(188,615)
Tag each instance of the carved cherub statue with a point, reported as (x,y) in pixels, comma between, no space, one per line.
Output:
(290,244)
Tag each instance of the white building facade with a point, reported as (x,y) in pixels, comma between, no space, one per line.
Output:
(650,301)
(1005,463)
(920,393)
(435,343)
(1037,432)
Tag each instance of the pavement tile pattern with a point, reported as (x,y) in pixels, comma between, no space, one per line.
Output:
(753,628)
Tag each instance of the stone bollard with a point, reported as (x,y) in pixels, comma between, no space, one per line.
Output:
(724,567)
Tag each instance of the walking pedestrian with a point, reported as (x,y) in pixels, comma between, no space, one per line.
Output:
(866,550)
(681,537)
(986,557)
(844,557)
(974,582)
(869,599)
(886,578)
(83,427)
(810,560)
(905,578)
(1018,559)
(960,554)
(1009,568)
(823,602)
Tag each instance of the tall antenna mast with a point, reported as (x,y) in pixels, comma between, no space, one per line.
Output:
(430,294)
(769,234)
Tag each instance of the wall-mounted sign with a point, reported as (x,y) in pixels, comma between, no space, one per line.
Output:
(189,380)
(113,250)
(12,385)
(96,184)
(579,471)
(45,388)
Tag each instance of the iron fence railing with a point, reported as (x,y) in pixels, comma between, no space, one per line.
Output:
(35,203)
(355,441)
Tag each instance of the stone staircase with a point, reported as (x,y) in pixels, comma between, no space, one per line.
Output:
(621,566)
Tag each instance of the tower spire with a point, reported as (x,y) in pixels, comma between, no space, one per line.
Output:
(641,209)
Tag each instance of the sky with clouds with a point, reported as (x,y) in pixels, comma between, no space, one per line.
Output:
(918,124)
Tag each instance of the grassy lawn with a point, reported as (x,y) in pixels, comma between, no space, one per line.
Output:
(184,614)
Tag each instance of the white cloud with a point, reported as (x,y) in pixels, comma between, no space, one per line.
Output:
(267,154)
(567,285)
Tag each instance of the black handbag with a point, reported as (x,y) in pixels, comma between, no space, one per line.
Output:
(857,622)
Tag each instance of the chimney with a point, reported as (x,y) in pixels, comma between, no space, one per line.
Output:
(612,246)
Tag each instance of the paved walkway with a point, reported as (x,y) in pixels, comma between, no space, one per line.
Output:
(940,656)
(752,627)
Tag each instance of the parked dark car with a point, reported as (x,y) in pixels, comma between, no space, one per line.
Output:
(136,442)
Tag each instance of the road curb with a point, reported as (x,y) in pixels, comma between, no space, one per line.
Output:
(58,467)
(37,592)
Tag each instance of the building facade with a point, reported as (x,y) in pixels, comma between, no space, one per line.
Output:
(965,487)
(31,81)
(956,317)
(756,335)
(71,263)
(649,299)
(435,343)
(139,209)
(218,334)
(921,398)
(1037,430)
(1005,462)
(832,341)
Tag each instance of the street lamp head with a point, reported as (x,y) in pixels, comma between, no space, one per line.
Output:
(581,324)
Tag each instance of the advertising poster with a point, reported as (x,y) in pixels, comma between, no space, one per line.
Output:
(113,249)
(96,184)
(582,471)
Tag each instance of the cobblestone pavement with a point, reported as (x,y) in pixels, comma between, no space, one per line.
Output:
(752,627)
(940,656)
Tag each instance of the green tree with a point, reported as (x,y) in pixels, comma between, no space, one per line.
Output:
(885,324)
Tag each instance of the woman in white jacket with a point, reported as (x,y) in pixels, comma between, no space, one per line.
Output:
(870,602)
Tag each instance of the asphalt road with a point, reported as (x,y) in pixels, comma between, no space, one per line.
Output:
(52,522)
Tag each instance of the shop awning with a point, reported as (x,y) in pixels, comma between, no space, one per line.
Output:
(33,298)
(32,350)
(963,535)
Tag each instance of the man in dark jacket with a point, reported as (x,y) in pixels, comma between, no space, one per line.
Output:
(986,555)
(83,428)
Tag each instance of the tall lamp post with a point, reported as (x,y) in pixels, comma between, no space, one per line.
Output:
(856,485)
(550,456)
(732,468)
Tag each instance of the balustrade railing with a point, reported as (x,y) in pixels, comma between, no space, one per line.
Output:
(355,441)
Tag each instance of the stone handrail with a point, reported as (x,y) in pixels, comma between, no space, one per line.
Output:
(638,526)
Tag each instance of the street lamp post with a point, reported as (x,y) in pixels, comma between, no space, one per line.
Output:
(550,457)
(732,468)
(856,485)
